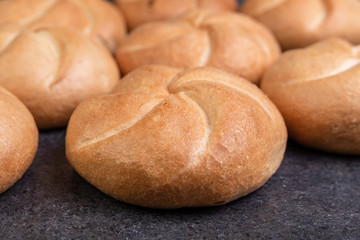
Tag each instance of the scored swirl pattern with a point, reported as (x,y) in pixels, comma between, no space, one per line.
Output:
(317,91)
(324,18)
(95,18)
(344,57)
(51,70)
(162,130)
(142,11)
(227,41)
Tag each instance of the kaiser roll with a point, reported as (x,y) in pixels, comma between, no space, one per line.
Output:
(229,41)
(317,89)
(138,12)
(18,139)
(96,18)
(52,69)
(299,23)
(169,139)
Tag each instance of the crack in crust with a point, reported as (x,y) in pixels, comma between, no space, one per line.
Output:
(120,129)
(52,4)
(54,45)
(41,12)
(207,54)
(3,91)
(265,48)
(347,66)
(90,16)
(325,6)
(196,159)
(164,36)
(11,40)
(202,149)
(356,52)
(267,6)
(234,88)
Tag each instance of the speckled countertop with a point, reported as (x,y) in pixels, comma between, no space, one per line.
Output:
(314,195)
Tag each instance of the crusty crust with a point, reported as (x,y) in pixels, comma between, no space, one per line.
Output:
(96,18)
(52,69)
(299,23)
(317,89)
(18,139)
(167,138)
(138,12)
(229,41)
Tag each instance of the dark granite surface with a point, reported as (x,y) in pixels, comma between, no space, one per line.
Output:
(314,195)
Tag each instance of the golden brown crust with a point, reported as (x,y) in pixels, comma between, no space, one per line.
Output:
(18,139)
(168,139)
(317,90)
(52,69)
(299,23)
(138,12)
(96,18)
(229,41)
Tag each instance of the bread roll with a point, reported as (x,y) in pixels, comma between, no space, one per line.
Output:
(138,12)
(18,139)
(96,18)
(317,90)
(229,41)
(52,69)
(169,139)
(299,23)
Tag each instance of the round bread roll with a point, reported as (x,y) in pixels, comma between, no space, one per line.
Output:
(229,41)
(96,18)
(317,89)
(138,12)
(18,139)
(52,69)
(169,139)
(299,23)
